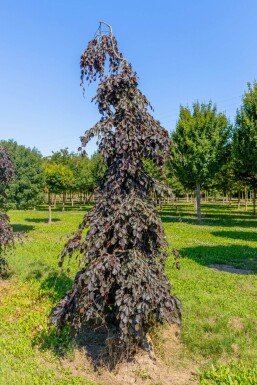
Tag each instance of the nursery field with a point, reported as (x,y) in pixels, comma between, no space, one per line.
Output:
(218,340)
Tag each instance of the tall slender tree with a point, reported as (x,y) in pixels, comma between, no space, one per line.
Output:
(59,179)
(245,140)
(123,282)
(201,138)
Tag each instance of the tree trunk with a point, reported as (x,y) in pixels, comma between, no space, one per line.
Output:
(49,209)
(54,201)
(246,198)
(90,197)
(254,201)
(238,202)
(63,201)
(198,203)
(187,198)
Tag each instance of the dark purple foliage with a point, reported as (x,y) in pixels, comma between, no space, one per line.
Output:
(6,168)
(6,231)
(123,282)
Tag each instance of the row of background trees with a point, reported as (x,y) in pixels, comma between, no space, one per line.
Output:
(209,154)
(57,176)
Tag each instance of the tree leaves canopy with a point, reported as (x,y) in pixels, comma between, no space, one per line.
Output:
(123,281)
(201,137)
(245,137)
(26,188)
(6,231)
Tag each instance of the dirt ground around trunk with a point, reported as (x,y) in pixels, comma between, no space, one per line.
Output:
(170,367)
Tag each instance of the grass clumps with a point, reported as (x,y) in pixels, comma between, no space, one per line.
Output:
(234,374)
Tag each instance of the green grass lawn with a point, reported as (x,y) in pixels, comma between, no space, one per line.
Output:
(219,309)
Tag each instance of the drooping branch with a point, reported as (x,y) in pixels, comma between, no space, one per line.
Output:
(122,281)
(6,231)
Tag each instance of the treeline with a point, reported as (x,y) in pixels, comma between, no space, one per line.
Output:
(210,157)
(70,176)
(211,154)
(60,177)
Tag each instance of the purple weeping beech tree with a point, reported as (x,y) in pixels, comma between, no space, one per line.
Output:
(6,231)
(122,281)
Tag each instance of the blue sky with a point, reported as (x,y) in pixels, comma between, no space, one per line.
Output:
(183,51)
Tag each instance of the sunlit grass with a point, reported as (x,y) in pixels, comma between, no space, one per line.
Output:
(220,312)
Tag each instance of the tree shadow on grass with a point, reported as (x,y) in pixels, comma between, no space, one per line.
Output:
(18,227)
(59,342)
(102,346)
(220,220)
(36,270)
(56,285)
(58,208)
(41,220)
(229,222)
(69,208)
(175,218)
(99,344)
(242,235)
(241,257)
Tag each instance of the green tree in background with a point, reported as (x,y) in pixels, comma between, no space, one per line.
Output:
(98,167)
(26,189)
(63,156)
(84,179)
(59,179)
(173,181)
(224,180)
(86,172)
(201,138)
(68,159)
(245,140)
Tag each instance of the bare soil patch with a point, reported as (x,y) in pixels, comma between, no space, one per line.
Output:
(231,269)
(5,287)
(167,368)
(236,323)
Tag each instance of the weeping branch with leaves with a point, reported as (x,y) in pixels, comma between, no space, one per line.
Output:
(6,231)
(122,281)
